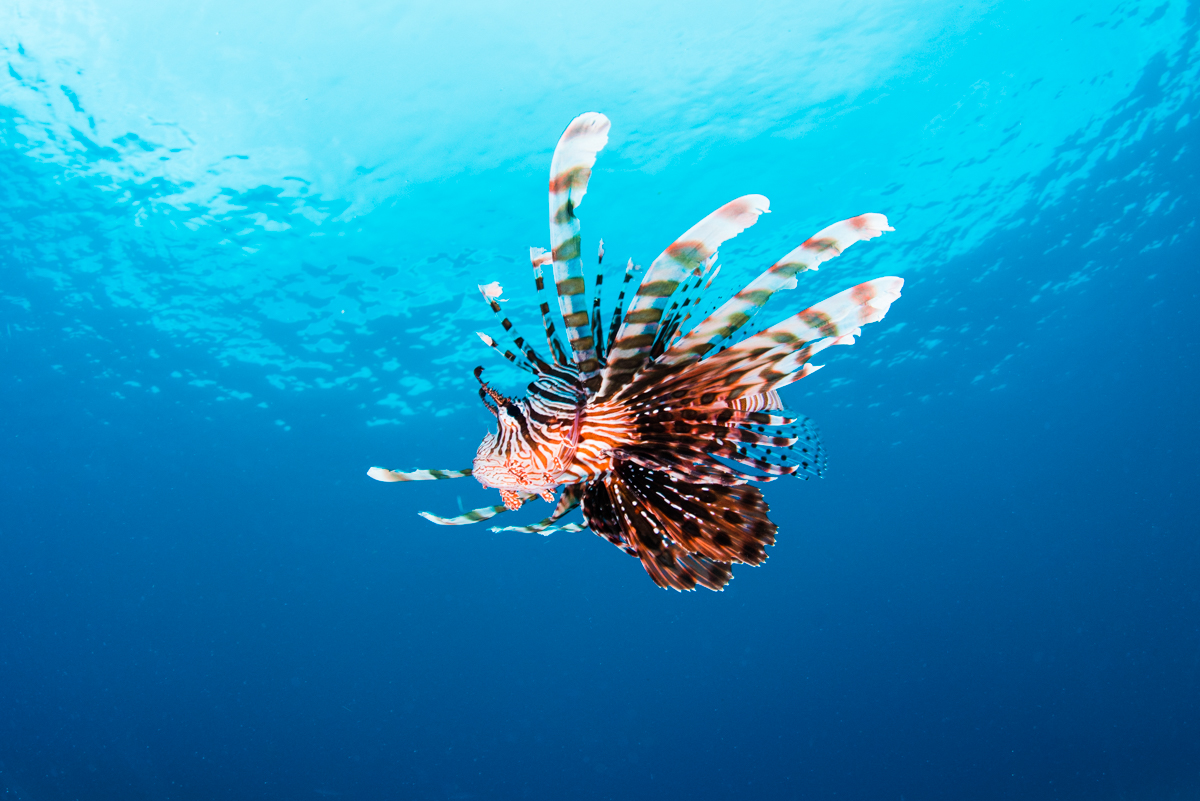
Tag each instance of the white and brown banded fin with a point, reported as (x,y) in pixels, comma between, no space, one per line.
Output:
(615,323)
(690,254)
(570,170)
(685,300)
(779,355)
(383,474)
(530,359)
(538,259)
(467,518)
(544,527)
(836,316)
(740,309)
(569,500)
(519,361)
(597,324)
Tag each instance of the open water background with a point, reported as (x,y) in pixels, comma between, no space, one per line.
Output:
(238,251)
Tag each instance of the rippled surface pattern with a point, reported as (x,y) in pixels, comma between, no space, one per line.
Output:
(239,246)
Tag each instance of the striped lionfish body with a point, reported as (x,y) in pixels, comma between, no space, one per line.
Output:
(656,430)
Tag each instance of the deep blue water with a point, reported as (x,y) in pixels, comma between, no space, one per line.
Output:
(237,272)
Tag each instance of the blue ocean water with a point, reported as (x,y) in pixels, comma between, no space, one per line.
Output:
(239,248)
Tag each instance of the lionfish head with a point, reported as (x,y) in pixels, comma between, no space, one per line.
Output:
(495,458)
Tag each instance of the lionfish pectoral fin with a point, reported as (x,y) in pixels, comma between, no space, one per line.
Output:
(467,518)
(686,535)
(547,496)
(383,474)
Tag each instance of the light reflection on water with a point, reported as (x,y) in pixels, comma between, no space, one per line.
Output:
(319,196)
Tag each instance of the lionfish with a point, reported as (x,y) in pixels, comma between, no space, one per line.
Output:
(656,429)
